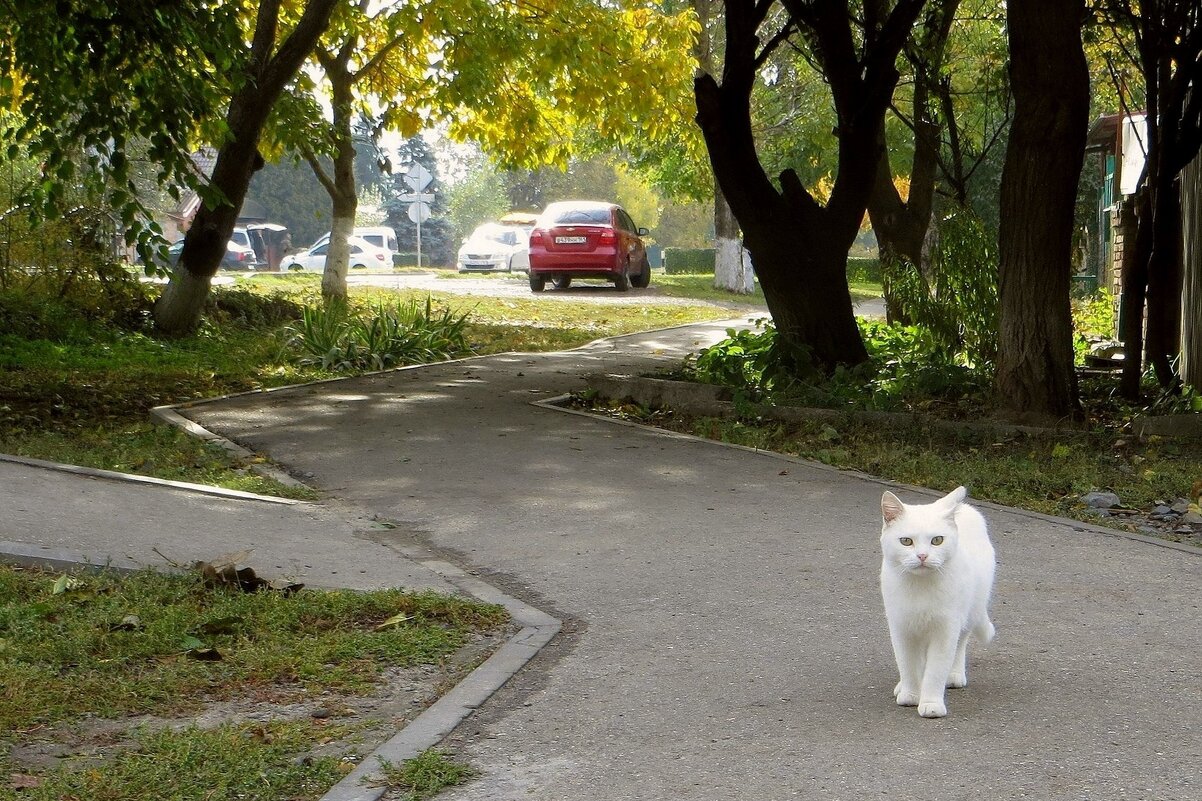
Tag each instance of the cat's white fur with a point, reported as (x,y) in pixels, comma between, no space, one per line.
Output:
(936,593)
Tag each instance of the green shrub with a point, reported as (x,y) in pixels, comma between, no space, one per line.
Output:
(863,270)
(679,261)
(957,302)
(907,367)
(339,339)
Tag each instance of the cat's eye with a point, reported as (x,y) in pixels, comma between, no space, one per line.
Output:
(937,540)
(906,541)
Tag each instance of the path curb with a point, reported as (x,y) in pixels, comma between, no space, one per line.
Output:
(113,475)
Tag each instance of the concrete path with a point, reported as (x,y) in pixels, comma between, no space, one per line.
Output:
(725,637)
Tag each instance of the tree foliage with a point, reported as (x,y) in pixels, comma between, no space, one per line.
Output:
(90,81)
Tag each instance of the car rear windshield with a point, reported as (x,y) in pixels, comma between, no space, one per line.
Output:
(581,217)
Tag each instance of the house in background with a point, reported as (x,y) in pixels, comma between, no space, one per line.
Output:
(1120,142)
(269,241)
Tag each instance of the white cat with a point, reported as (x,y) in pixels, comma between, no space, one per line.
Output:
(936,579)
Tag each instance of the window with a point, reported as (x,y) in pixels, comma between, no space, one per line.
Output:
(582,217)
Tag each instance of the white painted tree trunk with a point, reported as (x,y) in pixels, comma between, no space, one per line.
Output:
(179,308)
(732,263)
(333,279)
(732,267)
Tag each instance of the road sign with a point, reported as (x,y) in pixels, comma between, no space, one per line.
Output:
(418,177)
(411,197)
(419,212)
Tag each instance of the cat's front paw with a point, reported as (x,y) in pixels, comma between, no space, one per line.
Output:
(932,709)
(905,697)
(957,680)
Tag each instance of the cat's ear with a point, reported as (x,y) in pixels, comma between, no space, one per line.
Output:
(954,498)
(950,502)
(891,507)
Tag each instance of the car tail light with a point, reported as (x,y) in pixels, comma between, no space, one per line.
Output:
(379,257)
(607,236)
(538,235)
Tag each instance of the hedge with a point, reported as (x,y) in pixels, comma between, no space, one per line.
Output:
(688,260)
(701,260)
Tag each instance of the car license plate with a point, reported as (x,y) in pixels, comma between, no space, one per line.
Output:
(570,240)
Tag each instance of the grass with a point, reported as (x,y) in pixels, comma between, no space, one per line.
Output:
(106,646)
(74,652)
(1043,473)
(426,775)
(260,762)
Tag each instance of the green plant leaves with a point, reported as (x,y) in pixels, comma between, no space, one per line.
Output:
(341,340)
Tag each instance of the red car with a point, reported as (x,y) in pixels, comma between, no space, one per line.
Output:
(587,239)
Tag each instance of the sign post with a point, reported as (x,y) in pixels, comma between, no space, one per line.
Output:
(418,178)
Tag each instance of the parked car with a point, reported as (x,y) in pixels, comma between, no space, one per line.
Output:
(492,247)
(379,235)
(237,256)
(524,222)
(587,239)
(363,255)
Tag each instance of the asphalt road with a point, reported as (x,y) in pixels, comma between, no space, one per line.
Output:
(724,635)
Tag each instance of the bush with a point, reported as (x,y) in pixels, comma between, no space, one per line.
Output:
(679,261)
(958,300)
(863,270)
(336,338)
(907,368)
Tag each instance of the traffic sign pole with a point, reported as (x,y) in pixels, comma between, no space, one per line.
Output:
(418,178)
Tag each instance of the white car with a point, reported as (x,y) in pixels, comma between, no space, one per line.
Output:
(363,255)
(379,235)
(495,247)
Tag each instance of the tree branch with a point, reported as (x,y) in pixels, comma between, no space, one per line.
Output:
(323,177)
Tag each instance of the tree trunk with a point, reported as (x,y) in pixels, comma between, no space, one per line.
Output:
(1135,293)
(344,197)
(799,247)
(732,268)
(1162,341)
(901,226)
(178,309)
(1191,294)
(1050,80)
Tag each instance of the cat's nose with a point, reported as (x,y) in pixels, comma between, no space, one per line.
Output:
(922,557)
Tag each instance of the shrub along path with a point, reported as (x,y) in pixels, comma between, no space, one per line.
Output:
(726,638)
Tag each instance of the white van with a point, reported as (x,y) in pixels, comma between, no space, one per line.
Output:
(379,235)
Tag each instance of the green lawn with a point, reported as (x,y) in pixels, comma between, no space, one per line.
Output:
(102,646)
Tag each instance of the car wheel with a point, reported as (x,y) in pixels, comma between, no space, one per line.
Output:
(537,282)
(643,279)
(622,281)
(358,266)
(562,281)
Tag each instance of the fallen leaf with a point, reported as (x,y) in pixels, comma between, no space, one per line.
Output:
(65,583)
(128,623)
(222,625)
(204,654)
(395,620)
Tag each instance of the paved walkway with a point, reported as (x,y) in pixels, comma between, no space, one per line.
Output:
(724,635)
